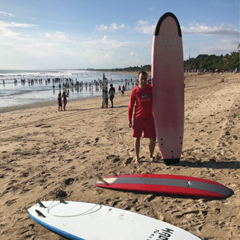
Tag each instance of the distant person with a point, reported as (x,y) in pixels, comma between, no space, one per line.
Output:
(141,99)
(60,102)
(111,93)
(119,89)
(123,90)
(64,97)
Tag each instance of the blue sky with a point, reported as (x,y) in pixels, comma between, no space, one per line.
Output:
(53,34)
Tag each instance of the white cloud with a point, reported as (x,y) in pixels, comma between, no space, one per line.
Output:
(60,50)
(6,28)
(6,13)
(144,27)
(23,49)
(17,25)
(222,29)
(56,36)
(219,46)
(101,27)
(110,43)
(133,53)
(112,27)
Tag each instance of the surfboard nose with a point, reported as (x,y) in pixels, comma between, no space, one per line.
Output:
(230,192)
(164,16)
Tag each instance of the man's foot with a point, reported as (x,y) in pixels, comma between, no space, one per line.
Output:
(136,161)
(152,159)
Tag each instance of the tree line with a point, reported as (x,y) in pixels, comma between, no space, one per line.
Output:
(229,62)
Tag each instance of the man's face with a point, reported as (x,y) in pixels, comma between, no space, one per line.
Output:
(142,79)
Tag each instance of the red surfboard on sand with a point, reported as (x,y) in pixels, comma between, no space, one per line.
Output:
(166,184)
(168,87)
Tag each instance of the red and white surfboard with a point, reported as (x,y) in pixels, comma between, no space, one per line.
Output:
(168,87)
(166,184)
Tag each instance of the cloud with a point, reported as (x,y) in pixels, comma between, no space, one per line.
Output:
(37,49)
(133,54)
(6,13)
(219,46)
(144,27)
(6,28)
(112,27)
(222,29)
(59,36)
(18,25)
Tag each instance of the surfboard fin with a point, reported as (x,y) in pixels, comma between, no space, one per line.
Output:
(115,174)
(61,200)
(100,179)
(171,161)
(41,204)
(39,213)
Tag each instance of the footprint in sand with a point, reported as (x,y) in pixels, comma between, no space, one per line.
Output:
(69,181)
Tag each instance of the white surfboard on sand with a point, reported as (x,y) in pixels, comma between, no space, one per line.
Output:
(79,220)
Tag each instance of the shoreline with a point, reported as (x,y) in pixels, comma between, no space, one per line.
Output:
(26,106)
(39,105)
(41,90)
(54,102)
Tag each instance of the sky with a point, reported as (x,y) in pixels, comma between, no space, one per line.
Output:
(80,34)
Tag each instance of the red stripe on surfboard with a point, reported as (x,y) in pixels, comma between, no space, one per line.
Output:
(167,176)
(162,189)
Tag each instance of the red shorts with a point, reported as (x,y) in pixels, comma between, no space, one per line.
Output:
(143,125)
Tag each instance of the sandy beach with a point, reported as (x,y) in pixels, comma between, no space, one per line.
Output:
(44,152)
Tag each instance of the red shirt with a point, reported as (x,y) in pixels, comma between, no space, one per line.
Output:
(142,99)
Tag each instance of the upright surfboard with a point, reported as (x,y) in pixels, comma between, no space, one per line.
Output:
(166,184)
(168,87)
(89,221)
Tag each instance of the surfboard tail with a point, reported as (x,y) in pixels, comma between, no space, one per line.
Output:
(171,161)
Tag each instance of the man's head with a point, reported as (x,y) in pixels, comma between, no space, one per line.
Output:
(142,79)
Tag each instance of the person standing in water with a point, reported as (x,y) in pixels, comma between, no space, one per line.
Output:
(143,121)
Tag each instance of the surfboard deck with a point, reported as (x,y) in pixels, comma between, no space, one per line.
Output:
(168,87)
(166,184)
(80,221)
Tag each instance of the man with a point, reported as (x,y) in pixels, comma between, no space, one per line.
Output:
(111,93)
(141,98)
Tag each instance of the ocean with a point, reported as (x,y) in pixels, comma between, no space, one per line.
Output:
(21,87)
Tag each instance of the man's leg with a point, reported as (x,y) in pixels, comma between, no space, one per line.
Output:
(152,144)
(137,149)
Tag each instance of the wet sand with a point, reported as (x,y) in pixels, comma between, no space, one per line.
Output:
(44,152)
